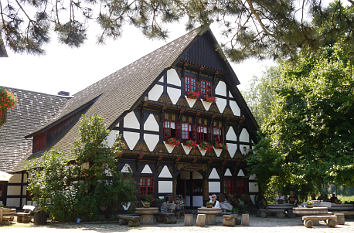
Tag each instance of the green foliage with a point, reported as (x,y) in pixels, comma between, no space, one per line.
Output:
(87,188)
(251,28)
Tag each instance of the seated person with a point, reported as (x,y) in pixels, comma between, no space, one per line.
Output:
(215,202)
(313,196)
(224,204)
(279,199)
(333,199)
(323,197)
(292,198)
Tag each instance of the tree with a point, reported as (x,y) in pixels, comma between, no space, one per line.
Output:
(253,28)
(84,187)
(311,122)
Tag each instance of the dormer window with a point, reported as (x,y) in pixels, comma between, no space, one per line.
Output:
(190,84)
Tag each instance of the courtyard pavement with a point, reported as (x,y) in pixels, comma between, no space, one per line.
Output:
(264,225)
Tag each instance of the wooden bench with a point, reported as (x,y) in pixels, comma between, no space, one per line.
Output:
(7,215)
(131,220)
(331,220)
(166,217)
(25,216)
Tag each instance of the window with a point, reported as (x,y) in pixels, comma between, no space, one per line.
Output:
(202,132)
(190,84)
(146,186)
(218,134)
(39,142)
(228,185)
(186,130)
(169,129)
(205,88)
(241,186)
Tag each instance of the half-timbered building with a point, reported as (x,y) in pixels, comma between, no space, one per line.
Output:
(185,127)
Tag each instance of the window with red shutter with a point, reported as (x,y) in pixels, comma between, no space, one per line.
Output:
(146,186)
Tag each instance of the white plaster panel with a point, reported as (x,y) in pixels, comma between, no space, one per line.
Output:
(202,151)
(230,95)
(130,121)
(214,187)
(146,169)
(173,78)
(220,89)
(253,177)
(24,191)
(197,201)
(15,178)
(206,105)
(231,148)
(217,152)
(111,138)
(235,108)
(126,169)
(151,124)
(196,176)
(231,135)
(253,187)
(155,92)
(13,202)
(131,138)
(165,187)
(151,141)
(169,147)
(214,174)
(190,102)
(174,94)
(227,172)
(244,136)
(253,197)
(14,190)
(240,173)
(221,104)
(161,79)
(165,173)
(187,149)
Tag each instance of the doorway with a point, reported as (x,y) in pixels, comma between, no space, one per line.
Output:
(190,187)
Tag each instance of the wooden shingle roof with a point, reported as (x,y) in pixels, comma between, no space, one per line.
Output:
(32,111)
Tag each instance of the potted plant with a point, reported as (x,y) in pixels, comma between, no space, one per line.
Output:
(220,145)
(205,146)
(173,141)
(310,204)
(191,144)
(209,205)
(147,202)
(210,99)
(193,95)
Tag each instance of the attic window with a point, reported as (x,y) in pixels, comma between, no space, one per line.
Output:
(190,84)
(205,88)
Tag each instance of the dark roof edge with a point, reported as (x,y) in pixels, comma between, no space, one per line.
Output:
(63,118)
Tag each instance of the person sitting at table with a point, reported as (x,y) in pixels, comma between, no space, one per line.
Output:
(333,199)
(224,204)
(313,196)
(323,197)
(215,202)
(292,198)
(279,199)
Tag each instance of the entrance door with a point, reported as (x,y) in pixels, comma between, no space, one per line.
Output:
(190,187)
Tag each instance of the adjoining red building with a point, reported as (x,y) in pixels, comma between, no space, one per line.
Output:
(185,91)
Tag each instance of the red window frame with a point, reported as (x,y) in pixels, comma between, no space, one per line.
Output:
(228,185)
(201,133)
(205,88)
(146,186)
(166,128)
(186,127)
(218,137)
(190,84)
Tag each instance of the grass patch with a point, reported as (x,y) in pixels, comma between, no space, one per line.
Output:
(344,199)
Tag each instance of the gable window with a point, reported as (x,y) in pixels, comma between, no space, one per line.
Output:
(228,185)
(205,88)
(39,142)
(169,129)
(146,186)
(190,84)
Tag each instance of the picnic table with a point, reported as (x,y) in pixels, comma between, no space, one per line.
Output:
(7,215)
(280,210)
(147,215)
(210,214)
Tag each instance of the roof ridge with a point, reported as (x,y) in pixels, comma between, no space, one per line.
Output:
(37,92)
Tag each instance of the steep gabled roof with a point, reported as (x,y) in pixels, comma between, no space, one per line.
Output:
(32,111)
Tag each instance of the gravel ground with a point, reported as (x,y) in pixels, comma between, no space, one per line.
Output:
(271,225)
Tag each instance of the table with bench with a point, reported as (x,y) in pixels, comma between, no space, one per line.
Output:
(7,215)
